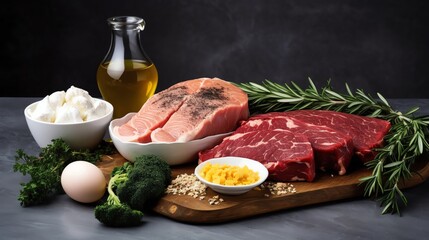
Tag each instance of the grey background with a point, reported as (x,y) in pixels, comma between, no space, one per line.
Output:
(378,46)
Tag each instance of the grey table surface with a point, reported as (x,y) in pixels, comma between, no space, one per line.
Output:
(65,219)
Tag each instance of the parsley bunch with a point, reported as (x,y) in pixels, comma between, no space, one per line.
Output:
(45,170)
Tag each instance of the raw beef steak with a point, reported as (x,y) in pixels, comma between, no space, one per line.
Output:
(367,133)
(333,150)
(288,156)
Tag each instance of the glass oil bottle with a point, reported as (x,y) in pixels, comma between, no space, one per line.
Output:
(126,77)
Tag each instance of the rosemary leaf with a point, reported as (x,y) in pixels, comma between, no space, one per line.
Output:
(383,99)
(349,91)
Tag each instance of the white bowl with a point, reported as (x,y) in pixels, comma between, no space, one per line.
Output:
(234,161)
(78,135)
(173,153)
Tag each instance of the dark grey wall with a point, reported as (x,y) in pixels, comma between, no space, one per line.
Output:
(378,46)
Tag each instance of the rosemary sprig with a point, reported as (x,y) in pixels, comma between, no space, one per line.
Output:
(405,142)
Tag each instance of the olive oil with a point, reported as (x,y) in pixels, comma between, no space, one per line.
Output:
(127,84)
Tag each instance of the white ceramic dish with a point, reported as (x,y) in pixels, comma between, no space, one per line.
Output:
(173,153)
(78,135)
(233,161)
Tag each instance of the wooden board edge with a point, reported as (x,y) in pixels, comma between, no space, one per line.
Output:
(180,213)
(251,207)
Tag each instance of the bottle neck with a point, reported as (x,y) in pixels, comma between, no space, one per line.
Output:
(126,44)
(125,41)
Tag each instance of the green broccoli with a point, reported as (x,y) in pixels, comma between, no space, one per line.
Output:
(146,183)
(133,188)
(113,212)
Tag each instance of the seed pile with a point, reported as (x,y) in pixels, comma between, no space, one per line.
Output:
(278,188)
(187,184)
(215,200)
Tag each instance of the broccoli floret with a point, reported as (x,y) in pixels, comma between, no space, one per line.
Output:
(120,215)
(113,212)
(152,164)
(146,183)
(134,188)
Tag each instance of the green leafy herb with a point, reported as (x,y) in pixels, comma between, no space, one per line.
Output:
(45,170)
(405,142)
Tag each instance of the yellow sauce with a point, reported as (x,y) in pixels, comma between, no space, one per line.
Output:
(127,85)
(229,175)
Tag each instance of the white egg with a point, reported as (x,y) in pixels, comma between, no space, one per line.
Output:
(83,182)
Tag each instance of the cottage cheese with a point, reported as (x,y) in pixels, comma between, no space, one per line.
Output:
(72,106)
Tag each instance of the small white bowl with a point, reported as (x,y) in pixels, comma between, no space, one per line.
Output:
(174,153)
(233,161)
(78,135)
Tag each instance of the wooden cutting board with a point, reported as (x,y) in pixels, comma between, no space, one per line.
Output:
(325,188)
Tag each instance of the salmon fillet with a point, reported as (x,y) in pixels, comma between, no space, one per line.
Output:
(186,111)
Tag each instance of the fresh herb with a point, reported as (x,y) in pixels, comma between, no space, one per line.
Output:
(45,170)
(405,142)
